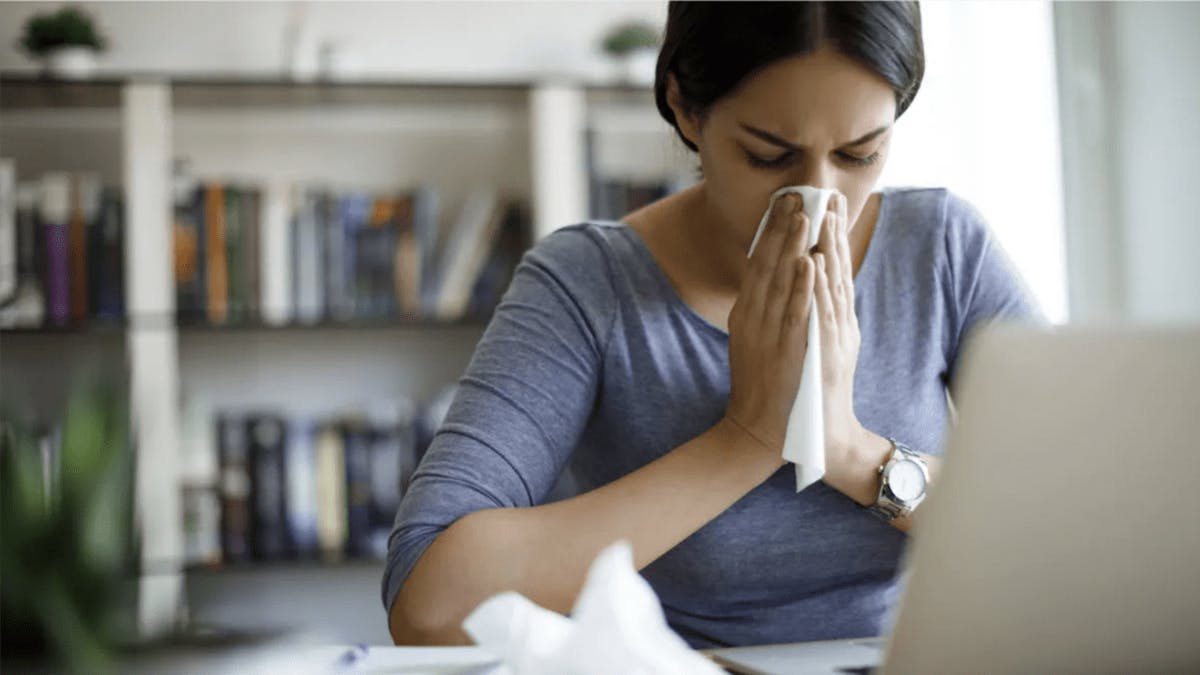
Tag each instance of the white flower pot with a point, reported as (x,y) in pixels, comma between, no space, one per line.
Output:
(70,63)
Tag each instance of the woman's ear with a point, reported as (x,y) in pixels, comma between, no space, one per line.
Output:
(685,120)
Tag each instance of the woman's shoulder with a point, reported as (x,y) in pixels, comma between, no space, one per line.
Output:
(928,215)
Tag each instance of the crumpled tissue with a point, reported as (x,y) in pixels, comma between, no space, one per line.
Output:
(616,626)
(804,443)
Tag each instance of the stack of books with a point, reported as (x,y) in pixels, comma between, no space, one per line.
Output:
(61,250)
(297,488)
(299,254)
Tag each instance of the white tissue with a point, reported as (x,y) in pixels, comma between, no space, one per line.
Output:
(617,626)
(804,443)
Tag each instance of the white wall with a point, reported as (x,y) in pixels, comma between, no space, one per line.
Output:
(1131,92)
(985,125)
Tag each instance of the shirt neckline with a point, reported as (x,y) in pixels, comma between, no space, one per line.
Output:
(677,300)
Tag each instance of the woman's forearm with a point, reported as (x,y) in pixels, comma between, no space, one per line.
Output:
(544,552)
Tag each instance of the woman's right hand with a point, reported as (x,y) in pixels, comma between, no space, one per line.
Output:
(768,327)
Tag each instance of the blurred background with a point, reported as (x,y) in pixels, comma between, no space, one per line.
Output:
(274,232)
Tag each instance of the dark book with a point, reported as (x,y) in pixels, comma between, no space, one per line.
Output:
(235,272)
(510,245)
(356,437)
(54,215)
(235,488)
(251,241)
(393,458)
(266,437)
(108,255)
(189,254)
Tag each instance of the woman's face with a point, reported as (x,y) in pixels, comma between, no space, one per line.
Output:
(819,119)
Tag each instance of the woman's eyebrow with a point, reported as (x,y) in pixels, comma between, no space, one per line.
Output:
(772,138)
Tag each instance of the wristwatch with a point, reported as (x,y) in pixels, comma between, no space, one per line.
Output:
(904,478)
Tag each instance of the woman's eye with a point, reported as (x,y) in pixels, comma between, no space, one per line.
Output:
(768,163)
(860,161)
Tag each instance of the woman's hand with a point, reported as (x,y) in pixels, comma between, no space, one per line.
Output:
(768,328)
(845,437)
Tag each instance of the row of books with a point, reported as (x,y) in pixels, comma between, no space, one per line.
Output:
(61,250)
(611,199)
(294,488)
(304,254)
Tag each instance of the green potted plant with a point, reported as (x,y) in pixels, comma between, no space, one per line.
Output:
(66,41)
(633,45)
(66,511)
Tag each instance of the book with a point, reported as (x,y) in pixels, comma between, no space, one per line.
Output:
(466,246)
(308,259)
(8,231)
(216,263)
(249,241)
(107,253)
(275,280)
(509,246)
(266,440)
(234,269)
(302,488)
(356,439)
(55,212)
(331,493)
(235,488)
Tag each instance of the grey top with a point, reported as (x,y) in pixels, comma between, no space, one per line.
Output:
(594,362)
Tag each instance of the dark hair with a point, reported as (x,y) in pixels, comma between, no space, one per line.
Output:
(711,47)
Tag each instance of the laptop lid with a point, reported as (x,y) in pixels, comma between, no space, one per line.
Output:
(1063,533)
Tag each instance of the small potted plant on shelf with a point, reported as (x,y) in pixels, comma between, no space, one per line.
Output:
(634,48)
(65,41)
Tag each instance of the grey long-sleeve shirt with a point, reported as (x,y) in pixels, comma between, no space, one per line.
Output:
(593,362)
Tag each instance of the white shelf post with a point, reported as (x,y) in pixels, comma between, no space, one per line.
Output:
(556,130)
(153,362)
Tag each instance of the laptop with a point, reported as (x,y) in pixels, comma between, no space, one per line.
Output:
(1063,533)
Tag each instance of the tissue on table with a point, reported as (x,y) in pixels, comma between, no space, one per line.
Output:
(616,626)
(804,443)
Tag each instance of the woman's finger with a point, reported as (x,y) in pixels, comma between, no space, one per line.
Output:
(778,293)
(793,333)
(833,263)
(766,254)
(825,310)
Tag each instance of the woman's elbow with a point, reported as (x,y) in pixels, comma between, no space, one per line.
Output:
(446,584)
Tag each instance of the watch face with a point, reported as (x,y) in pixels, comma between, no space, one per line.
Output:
(906,481)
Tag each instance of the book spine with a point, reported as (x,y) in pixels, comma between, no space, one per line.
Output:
(233,252)
(55,211)
(276,288)
(358,489)
(8,230)
(302,489)
(85,195)
(267,438)
(331,492)
(217,279)
(235,488)
(251,243)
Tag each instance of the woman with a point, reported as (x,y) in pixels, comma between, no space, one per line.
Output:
(659,364)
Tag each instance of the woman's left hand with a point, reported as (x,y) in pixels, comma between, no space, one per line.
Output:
(840,341)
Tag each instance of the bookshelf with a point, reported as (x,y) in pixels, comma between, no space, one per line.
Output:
(544,143)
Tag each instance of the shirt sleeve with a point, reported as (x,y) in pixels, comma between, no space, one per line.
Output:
(523,401)
(985,286)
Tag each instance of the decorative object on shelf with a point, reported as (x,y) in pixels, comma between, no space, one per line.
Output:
(66,512)
(66,42)
(634,47)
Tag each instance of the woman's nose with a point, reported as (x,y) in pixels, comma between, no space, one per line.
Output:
(816,174)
